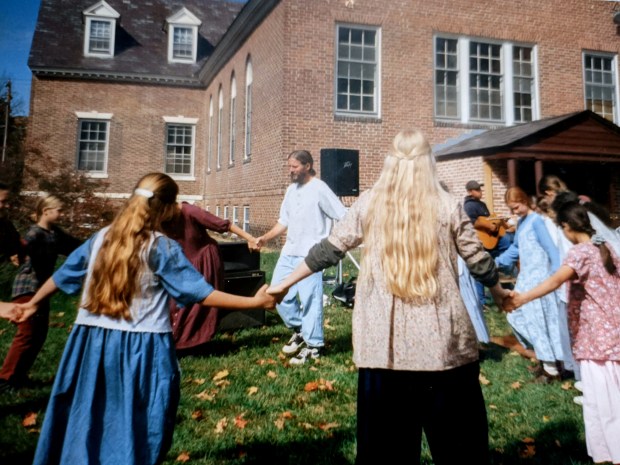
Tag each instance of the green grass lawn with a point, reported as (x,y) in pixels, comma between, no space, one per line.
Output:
(243,404)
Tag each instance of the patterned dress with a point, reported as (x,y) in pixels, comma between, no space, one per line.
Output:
(536,324)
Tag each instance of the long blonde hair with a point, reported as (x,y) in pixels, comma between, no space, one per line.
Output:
(119,264)
(401,224)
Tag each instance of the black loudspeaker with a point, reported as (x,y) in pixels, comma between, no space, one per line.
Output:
(237,257)
(245,284)
(340,171)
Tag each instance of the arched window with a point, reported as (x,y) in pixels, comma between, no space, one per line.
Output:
(248,110)
(233,120)
(220,114)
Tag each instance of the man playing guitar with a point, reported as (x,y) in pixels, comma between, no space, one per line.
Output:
(490,230)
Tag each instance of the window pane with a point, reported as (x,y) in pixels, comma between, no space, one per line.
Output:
(179,149)
(182,42)
(356,70)
(100,39)
(600,81)
(92,145)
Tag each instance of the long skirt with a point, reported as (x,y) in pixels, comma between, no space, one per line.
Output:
(601,409)
(196,325)
(114,399)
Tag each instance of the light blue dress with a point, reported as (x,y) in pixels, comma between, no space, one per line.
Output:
(467,286)
(116,393)
(536,324)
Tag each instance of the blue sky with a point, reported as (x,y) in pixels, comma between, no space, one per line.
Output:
(17,21)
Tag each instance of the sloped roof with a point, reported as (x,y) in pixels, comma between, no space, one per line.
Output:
(525,134)
(141,41)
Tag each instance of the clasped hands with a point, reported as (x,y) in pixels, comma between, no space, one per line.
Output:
(16,313)
(508,300)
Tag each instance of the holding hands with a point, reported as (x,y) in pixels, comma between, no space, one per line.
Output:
(10,311)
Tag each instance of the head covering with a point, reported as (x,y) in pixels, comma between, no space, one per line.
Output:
(473,186)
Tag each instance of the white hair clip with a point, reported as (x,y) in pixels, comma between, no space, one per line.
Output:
(597,239)
(143,192)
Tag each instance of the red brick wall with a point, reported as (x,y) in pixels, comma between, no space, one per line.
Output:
(292,54)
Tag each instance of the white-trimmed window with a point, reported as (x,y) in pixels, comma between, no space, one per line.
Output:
(210,141)
(601,84)
(357,89)
(235,216)
(232,121)
(248,110)
(246,218)
(93,141)
(484,81)
(220,120)
(225,212)
(217,210)
(182,36)
(180,146)
(99,32)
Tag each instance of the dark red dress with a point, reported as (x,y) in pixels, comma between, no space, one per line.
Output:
(194,326)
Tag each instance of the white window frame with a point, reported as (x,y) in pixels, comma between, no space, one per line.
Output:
(351,63)
(220,119)
(99,118)
(217,210)
(225,212)
(249,77)
(181,121)
(182,19)
(232,135)
(100,12)
(507,82)
(210,140)
(235,215)
(613,86)
(246,218)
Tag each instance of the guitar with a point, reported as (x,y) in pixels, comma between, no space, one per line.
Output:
(483,225)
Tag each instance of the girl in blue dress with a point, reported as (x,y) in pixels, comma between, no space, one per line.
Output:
(537,324)
(117,389)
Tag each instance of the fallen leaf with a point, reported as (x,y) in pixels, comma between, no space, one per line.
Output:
(326,324)
(566,385)
(240,422)
(30,419)
(252,390)
(558,443)
(313,368)
(60,314)
(220,375)
(328,426)
(199,381)
(272,374)
(546,419)
(183,457)
(307,426)
(279,423)
(221,425)
(516,385)
(492,406)
(288,415)
(483,379)
(269,361)
(222,382)
(197,415)
(205,395)
(311,386)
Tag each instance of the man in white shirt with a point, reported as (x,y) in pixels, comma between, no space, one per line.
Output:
(306,213)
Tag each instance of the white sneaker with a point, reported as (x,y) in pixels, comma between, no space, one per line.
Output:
(306,353)
(578,385)
(578,400)
(293,344)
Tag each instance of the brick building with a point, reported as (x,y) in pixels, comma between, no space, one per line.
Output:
(217,93)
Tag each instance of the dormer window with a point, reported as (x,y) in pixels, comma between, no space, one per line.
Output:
(182,36)
(100,24)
